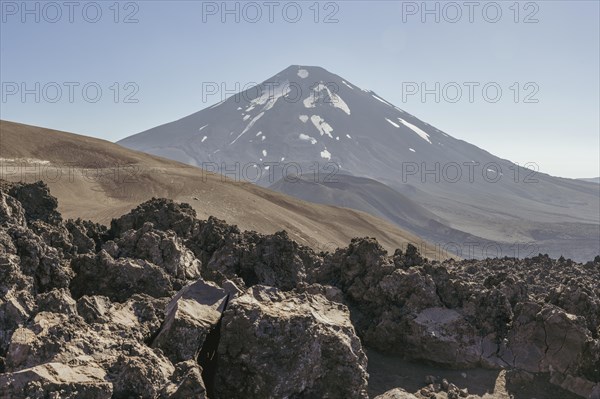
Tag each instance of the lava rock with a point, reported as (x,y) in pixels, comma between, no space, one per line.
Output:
(278,344)
(118,279)
(37,202)
(189,317)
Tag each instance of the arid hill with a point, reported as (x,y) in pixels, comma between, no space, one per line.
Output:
(98,180)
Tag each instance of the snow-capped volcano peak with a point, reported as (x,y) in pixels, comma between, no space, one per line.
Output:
(303,114)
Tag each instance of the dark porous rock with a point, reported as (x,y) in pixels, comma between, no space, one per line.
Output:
(93,308)
(87,237)
(11,211)
(164,249)
(273,260)
(37,202)
(44,263)
(211,235)
(164,214)
(118,279)
(56,301)
(56,236)
(278,344)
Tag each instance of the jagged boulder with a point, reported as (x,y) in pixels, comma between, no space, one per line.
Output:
(273,260)
(11,211)
(44,263)
(36,201)
(186,383)
(56,380)
(131,367)
(284,344)
(189,317)
(86,237)
(211,235)
(118,279)
(546,338)
(56,301)
(164,214)
(164,249)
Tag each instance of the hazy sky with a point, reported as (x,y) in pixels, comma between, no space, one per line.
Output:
(543,56)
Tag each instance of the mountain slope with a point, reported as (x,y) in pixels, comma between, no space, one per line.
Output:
(306,119)
(376,198)
(99,180)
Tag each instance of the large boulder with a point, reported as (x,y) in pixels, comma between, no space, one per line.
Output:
(37,202)
(273,260)
(116,347)
(118,279)
(211,235)
(545,338)
(284,344)
(164,249)
(56,380)
(189,317)
(44,263)
(164,214)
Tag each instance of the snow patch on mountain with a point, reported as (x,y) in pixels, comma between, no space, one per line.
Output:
(270,95)
(306,137)
(415,129)
(264,152)
(326,154)
(381,100)
(203,138)
(346,83)
(303,118)
(392,123)
(317,94)
(303,73)
(248,127)
(322,126)
(202,128)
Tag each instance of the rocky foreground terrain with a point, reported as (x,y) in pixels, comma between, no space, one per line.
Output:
(163,305)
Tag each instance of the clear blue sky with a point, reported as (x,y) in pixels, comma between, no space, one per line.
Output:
(381,46)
